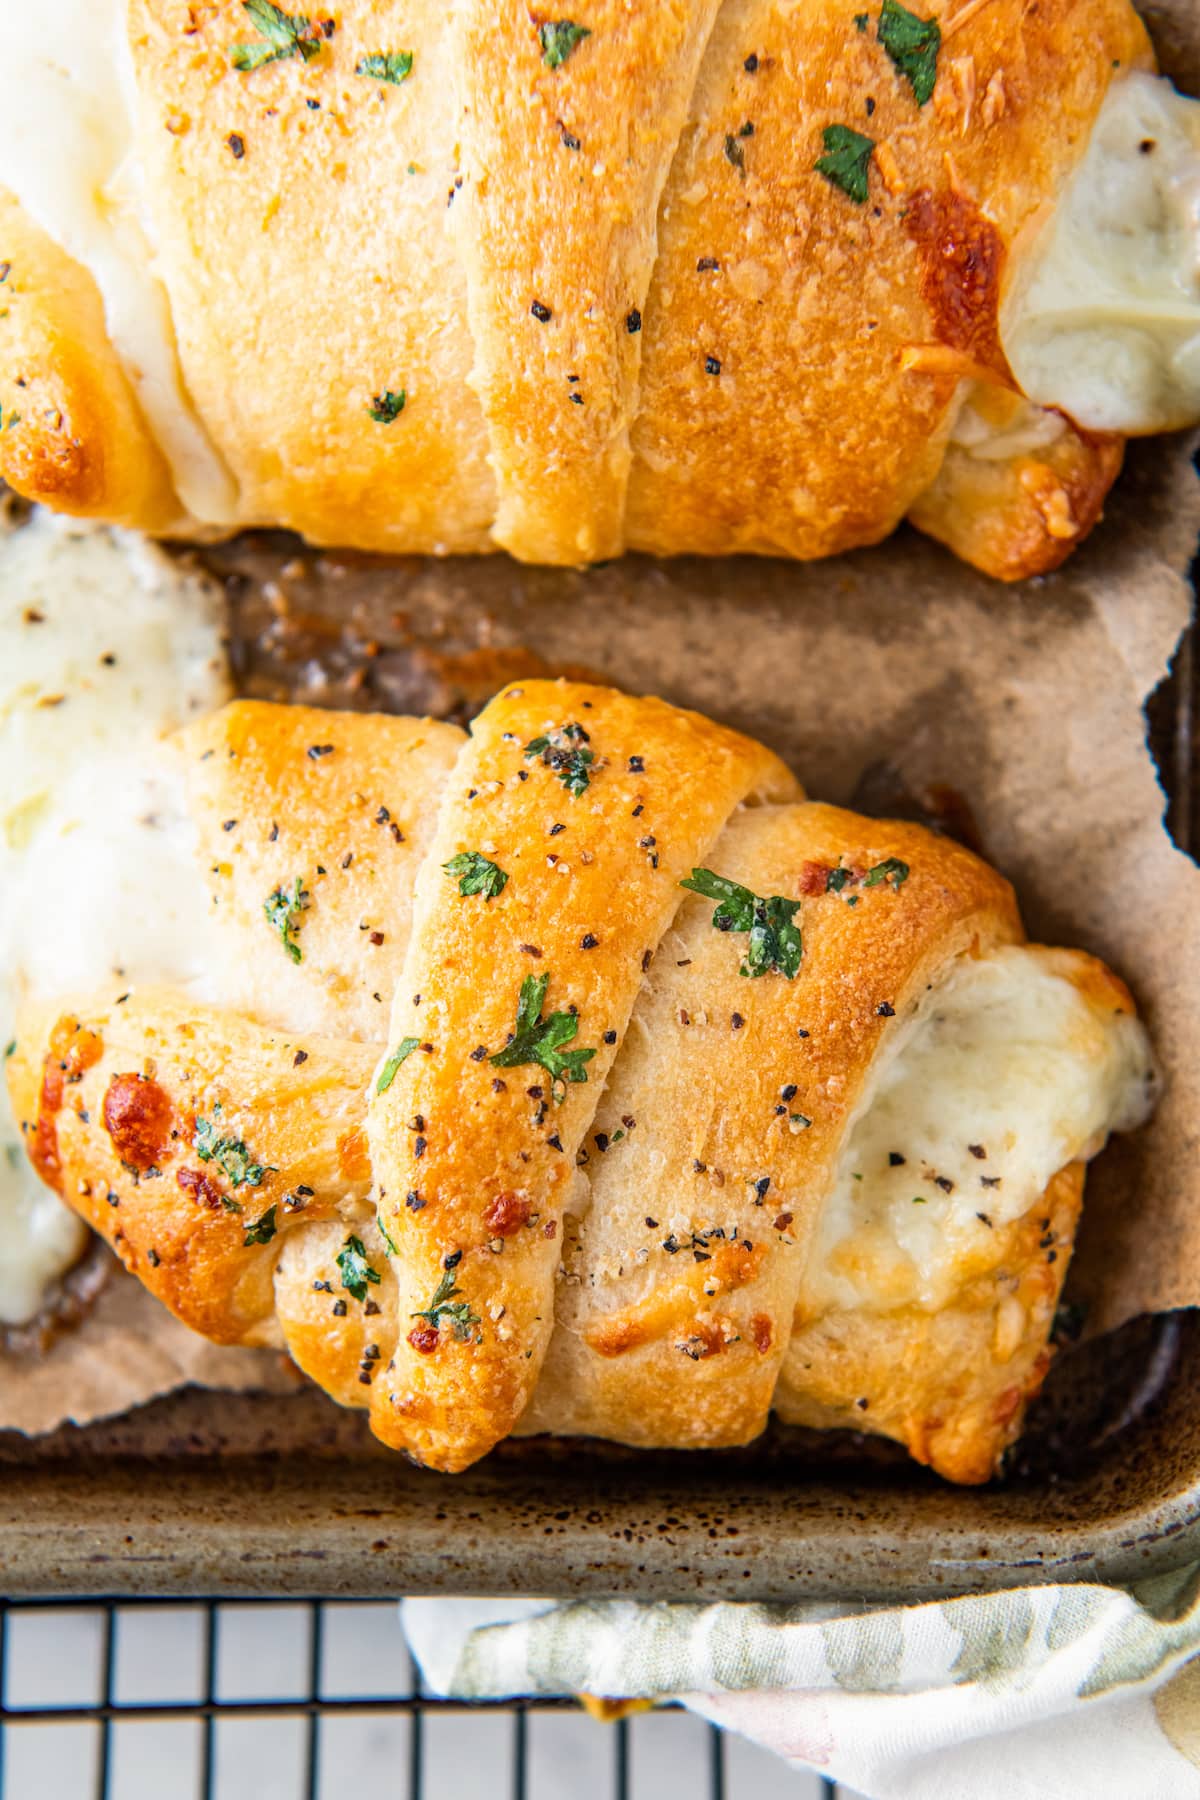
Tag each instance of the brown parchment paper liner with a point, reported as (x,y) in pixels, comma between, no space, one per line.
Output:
(1027,701)
(127,1350)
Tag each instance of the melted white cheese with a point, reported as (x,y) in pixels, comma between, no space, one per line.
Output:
(994,425)
(1007,1055)
(97,877)
(66,98)
(1106,323)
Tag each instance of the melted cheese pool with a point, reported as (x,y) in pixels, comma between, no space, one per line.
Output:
(105,645)
(1106,322)
(1009,1071)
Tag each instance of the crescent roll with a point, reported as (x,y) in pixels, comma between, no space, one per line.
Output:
(691,1098)
(700,278)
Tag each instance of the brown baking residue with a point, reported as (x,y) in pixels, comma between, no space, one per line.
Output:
(963,258)
(73,1050)
(137,1117)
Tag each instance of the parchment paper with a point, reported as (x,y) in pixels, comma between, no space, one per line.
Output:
(1026,701)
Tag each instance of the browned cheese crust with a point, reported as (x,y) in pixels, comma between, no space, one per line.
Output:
(624,308)
(469,1247)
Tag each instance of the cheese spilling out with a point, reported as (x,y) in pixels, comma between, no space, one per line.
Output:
(66,152)
(1106,324)
(105,646)
(1007,1072)
(994,425)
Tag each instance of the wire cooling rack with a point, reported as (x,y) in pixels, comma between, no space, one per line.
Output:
(279,1700)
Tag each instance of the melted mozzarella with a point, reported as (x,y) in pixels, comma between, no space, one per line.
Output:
(97,878)
(995,426)
(1106,323)
(1007,1055)
(66,97)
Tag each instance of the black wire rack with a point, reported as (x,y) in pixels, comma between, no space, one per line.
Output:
(313,1708)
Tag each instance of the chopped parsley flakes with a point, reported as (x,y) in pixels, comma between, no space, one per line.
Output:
(889,873)
(540,1040)
(913,46)
(447,1304)
(774,936)
(564,750)
(262,1230)
(354,1268)
(386,65)
(558,38)
(387,406)
(387,1074)
(283,35)
(283,911)
(847,155)
(230,1155)
(892,872)
(476,875)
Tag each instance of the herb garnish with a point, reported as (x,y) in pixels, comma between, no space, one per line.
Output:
(355,1270)
(230,1155)
(774,937)
(735,154)
(283,911)
(283,35)
(388,405)
(447,1304)
(847,154)
(913,46)
(892,872)
(539,1040)
(476,875)
(386,1235)
(558,37)
(569,760)
(386,65)
(387,1074)
(262,1230)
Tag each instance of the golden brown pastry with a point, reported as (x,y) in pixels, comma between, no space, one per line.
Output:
(690,278)
(697,1098)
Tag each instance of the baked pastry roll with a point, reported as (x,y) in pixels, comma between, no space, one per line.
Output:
(696,1098)
(705,278)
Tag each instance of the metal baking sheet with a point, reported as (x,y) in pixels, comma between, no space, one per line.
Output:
(220,1494)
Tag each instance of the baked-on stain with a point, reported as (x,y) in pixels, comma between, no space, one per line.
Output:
(962,256)
(73,1050)
(137,1117)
